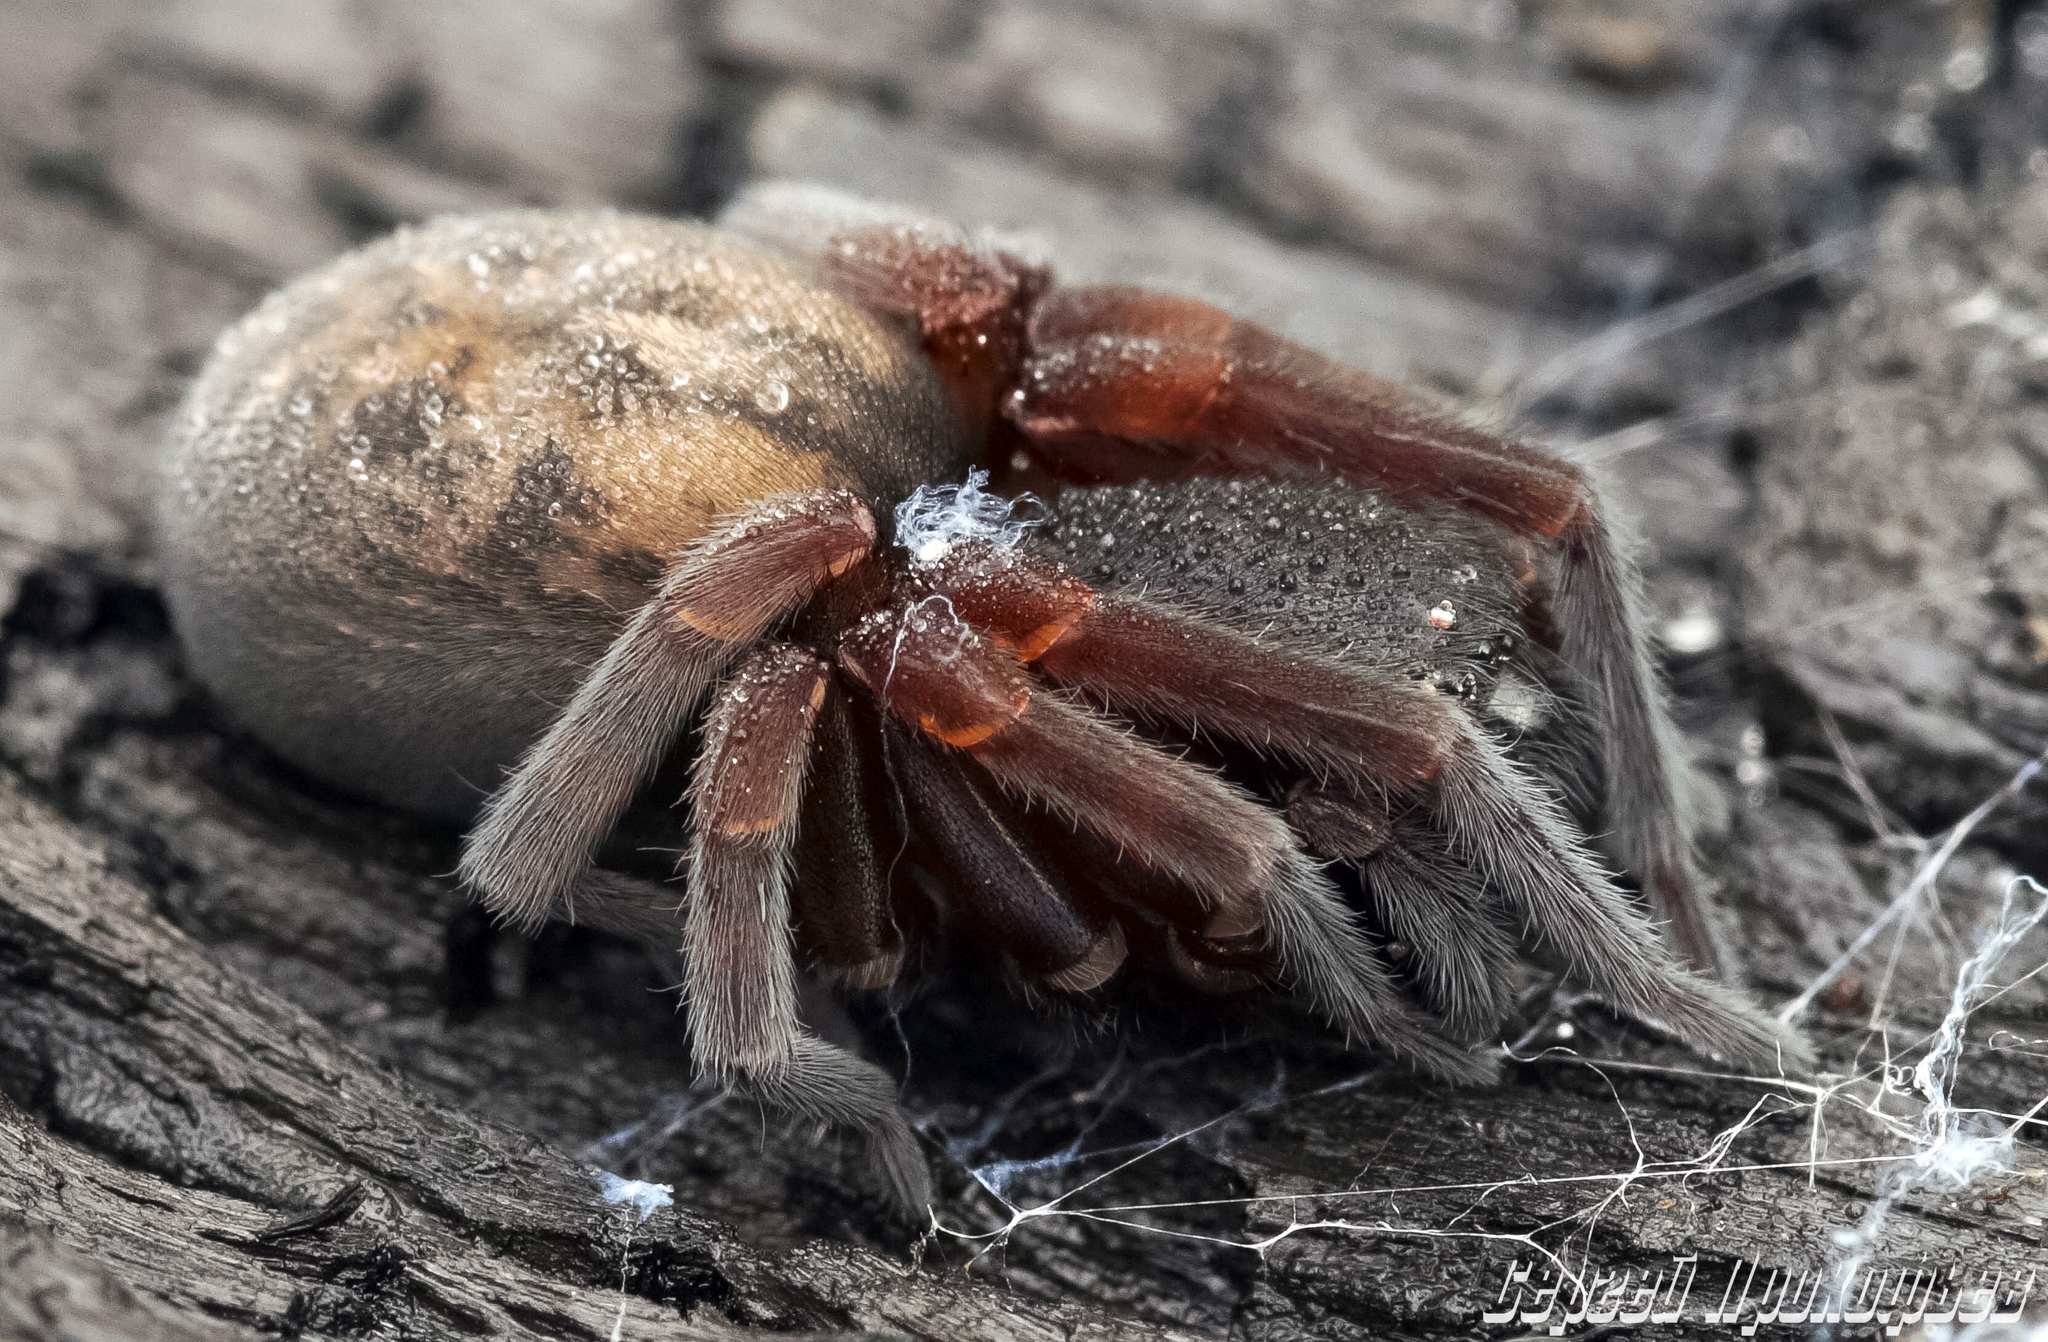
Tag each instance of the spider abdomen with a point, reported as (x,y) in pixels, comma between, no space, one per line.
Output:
(417,492)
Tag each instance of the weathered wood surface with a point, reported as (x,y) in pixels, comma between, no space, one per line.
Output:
(260,1072)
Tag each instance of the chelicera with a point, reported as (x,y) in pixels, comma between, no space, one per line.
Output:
(490,517)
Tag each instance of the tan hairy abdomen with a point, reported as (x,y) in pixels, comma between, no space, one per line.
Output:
(417,492)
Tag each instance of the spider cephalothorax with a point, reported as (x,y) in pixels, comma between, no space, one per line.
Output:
(499,506)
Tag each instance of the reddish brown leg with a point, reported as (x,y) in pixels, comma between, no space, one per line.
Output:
(935,673)
(930,669)
(844,847)
(740,970)
(1198,674)
(535,838)
(994,881)
(743,802)
(1123,384)
(1207,394)
(1377,733)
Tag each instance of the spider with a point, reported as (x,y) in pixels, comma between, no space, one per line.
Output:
(489,517)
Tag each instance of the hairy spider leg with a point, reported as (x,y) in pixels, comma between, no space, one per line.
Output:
(1382,735)
(538,831)
(1513,829)
(1597,607)
(1123,385)
(744,794)
(631,906)
(995,884)
(740,976)
(845,843)
(1325,959)
(1164,814)
(930,669)
(1462,960)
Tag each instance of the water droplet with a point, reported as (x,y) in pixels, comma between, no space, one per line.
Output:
(554,510)
(1695,631)
(1443,615)
(773,397)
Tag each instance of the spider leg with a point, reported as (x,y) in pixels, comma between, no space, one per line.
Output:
(1001,888)
(631,906)
(1512,828)
(1123,384)
(1599,614)
(740,978)
(1165,814)
(744,792)
(1464,959)
(1382,734)
(843,849)
(825,1082)
(932,670)
(1121,378)
(1327,960)
(1141,655)
(537,832)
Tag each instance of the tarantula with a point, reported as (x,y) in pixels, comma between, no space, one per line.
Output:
(476,516)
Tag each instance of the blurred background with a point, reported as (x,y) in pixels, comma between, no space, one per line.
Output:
(1779,267)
